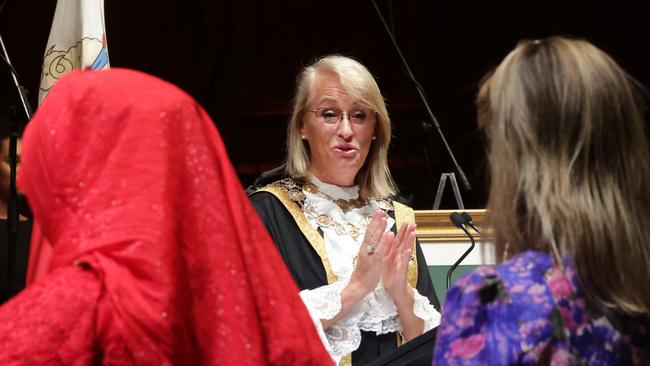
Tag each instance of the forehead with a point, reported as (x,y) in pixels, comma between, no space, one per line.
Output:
(327,87)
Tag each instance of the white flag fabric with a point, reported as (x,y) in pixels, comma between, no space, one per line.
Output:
(77,41)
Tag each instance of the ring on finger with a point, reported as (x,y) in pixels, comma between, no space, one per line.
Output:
(370,249)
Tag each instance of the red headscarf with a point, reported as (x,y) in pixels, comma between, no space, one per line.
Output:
(127,174)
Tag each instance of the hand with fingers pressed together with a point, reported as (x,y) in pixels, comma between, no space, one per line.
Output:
(367,272)
(395,263)
(394,273)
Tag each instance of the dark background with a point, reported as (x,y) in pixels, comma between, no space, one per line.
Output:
(240,59)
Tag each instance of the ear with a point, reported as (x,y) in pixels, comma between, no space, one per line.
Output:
(302,129)
(377,124)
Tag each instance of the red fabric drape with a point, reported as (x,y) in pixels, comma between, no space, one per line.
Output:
(127,176)
(40,255)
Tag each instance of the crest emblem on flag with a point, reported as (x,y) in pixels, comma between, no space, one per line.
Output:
(77,41)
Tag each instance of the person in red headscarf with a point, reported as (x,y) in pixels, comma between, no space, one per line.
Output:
(152,253)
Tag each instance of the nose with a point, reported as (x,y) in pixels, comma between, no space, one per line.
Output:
(345,127)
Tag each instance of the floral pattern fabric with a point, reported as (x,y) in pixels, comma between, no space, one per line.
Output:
(527,311)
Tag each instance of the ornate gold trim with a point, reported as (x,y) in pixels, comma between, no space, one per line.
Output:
(435,226)
(403,214)
(346,360)
(314,238)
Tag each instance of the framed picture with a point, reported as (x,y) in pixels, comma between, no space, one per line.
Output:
(435,226)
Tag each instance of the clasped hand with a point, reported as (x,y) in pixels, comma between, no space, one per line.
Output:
(384,255)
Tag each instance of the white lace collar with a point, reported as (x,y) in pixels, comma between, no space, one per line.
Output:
(335,191)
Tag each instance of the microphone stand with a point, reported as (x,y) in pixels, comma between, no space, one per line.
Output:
(459,221)
(432,118)
(12,203)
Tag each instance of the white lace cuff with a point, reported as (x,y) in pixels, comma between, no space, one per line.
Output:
(377,312)
(425,311)
(325,303)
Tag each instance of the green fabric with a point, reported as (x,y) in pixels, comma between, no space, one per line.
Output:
(439,278)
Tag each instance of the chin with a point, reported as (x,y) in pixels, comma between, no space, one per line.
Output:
(348,162)
(350,168)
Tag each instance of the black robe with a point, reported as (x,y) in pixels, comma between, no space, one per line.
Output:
(306,267)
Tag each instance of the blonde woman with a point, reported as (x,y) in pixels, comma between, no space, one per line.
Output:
(364,282)
(568,208)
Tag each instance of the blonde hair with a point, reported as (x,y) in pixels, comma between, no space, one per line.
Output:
(569,166)
(374,177)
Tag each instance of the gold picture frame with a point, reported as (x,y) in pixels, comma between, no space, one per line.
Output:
(435,226)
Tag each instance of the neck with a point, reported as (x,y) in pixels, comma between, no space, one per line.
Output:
(341,180)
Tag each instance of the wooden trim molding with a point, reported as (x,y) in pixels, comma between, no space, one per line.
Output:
(435,226)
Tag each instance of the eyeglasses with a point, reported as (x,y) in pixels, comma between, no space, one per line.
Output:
(333,116)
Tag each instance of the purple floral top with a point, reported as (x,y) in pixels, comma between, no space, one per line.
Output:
(527,312)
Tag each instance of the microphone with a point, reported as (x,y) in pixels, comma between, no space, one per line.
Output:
(460,222)
(469,221)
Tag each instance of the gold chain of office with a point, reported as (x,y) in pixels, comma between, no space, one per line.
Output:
(296,193)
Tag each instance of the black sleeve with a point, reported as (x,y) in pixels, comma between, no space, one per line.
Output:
(301,259)
(424,284)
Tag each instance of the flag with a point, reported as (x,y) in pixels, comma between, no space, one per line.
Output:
(77,41)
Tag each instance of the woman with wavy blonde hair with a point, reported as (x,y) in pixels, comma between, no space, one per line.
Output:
(569,170)
(364,282)
(373,177)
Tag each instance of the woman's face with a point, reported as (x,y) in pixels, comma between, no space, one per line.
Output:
(339,147)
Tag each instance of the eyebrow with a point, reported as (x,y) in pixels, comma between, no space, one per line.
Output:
(356,105)
(328,99)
